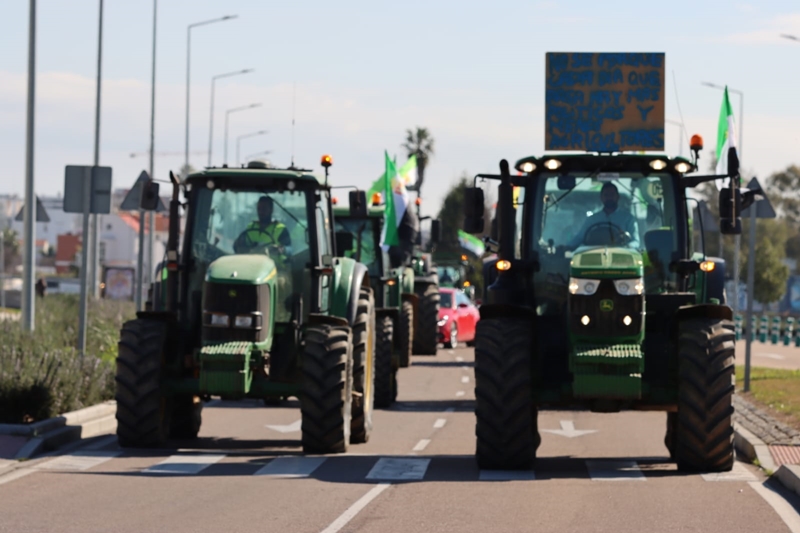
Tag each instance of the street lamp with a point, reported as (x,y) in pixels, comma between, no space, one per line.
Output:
(245,136)
(227,116)
(211,120)
(188,65)
(680,125)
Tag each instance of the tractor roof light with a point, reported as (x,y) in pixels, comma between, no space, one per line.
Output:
(683,167)
(708,266)
(526,165)
(334,200)
(326,161)
(696,143)
(658,164)
(376,198)
(552,164)
(503,265)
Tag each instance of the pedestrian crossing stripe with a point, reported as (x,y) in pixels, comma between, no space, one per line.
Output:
(184,464)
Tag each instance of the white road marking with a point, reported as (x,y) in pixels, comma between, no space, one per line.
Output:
(568,430)
(770,356)
(738,473)
(81,460)
(601,470)
(450,351)
(356,508)
(465,367)
(396,469)
(105,441)
(507,475)
(291,467)
(16,474)
(183,464)
(781,506)
(459,359)
(440,422)
(421,445)
(460,393)
(464,379)
(288,428)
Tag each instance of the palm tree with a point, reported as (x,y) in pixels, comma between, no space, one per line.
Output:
(419,142)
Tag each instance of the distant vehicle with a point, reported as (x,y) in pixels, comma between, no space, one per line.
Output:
(458,318)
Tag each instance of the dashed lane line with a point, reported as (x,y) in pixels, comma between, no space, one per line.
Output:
(356,508)
(421,445)
(440,422)
(460,393)
(464,379)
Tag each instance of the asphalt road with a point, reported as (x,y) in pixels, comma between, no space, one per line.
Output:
(769,355)
(595,473)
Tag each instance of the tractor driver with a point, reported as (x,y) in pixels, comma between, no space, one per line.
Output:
(609,216)
(265,232)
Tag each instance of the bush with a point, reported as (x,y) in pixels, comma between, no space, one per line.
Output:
(43,375)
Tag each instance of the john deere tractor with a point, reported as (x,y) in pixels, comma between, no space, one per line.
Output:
(603,300)
(255,304)
(360,226)
(426,287)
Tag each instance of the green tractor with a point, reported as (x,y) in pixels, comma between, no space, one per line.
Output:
(426,287)
(607,309)
(254,304)
(453,271)
(360,226)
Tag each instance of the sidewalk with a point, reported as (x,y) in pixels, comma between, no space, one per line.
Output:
(783,441)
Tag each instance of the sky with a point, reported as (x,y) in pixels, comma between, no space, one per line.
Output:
(356,74)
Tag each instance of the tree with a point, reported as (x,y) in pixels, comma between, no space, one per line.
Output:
(11,249)
(419,142)
(770,272)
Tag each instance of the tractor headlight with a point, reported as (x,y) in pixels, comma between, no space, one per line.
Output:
(219,320)
(629,287)
(443,321)
(243,321)
(583,287)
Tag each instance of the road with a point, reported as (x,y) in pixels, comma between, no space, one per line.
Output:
(770,355)
(595,473)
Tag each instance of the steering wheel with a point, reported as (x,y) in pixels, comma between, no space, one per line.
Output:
(604,233)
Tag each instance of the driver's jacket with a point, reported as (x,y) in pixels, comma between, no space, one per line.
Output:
(273,234)
(619,217)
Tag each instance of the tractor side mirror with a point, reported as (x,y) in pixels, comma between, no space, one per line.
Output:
(358,203)
(494,233)
(436,231)
(344,241)
(149,199)
(733,163)
(730,202)
(473,209)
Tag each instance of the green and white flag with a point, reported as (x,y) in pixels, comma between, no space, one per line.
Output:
(471,243)
(726,137)
(391,216)
(408,175)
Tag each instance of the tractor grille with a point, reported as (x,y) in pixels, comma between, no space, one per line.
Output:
(609,323)
(235,300)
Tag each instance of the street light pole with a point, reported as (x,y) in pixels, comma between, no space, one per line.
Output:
(680,126)
(211,120)
(246,136)
(151,215)
(227,116)
(94,266)
(29,258)
(188,78)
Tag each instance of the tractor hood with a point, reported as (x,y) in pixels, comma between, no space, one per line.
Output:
(242,269)
(606,262)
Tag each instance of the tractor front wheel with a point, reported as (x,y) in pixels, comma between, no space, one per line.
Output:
(506,428)
(405,334)
(385,370)
(327,389)
(704,428)
(363,367)
(143,413)
(426,335)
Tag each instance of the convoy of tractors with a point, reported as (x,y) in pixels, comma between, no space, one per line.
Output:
(275,291)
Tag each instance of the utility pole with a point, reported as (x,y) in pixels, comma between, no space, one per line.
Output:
(28,255)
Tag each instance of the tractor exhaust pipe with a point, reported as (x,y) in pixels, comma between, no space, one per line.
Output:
(172,244)
(505,205)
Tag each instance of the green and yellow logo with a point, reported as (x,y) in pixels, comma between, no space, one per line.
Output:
(606,305)
(232,293)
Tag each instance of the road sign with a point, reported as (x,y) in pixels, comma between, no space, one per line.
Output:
(41,213)
(763,206)
(74,176)
(604,102)
(132,200)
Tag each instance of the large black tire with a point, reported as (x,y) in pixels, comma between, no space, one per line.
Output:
(385,369)
(143,413)
(187,417)
(363,367)
(704,430)
(506,428)
(426,334)
(670,439)
(404,334)
(327,390)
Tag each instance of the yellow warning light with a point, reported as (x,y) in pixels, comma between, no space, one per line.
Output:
(696,143)
(467,284)
(503,265)
(326,161)
(418,201)
(376,198)
(707,266)
(334,200)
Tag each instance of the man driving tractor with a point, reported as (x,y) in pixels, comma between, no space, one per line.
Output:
(611,219)
(265,232)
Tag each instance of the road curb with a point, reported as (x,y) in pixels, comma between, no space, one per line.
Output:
(752,448)
(56,432)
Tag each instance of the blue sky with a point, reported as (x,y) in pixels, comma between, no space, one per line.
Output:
(472,72)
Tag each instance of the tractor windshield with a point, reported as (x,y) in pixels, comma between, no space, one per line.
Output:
(365,242)
(629,210)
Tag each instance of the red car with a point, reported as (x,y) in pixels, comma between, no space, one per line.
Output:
(458,317)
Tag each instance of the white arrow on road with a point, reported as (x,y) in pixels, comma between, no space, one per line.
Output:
(289,428)
(568,430)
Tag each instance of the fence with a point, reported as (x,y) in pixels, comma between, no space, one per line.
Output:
(770,330)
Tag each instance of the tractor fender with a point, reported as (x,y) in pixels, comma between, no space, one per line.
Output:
(348,278)
(715,280)
(316,318)
(720,312)
(407,286)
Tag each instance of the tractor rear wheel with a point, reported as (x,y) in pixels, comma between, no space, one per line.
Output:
(426,335)
(704,429)
(327,389)
(363,367)
(670,437)
(187,417)
(405,334)
(506,428)
(385,370)
(143,413)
